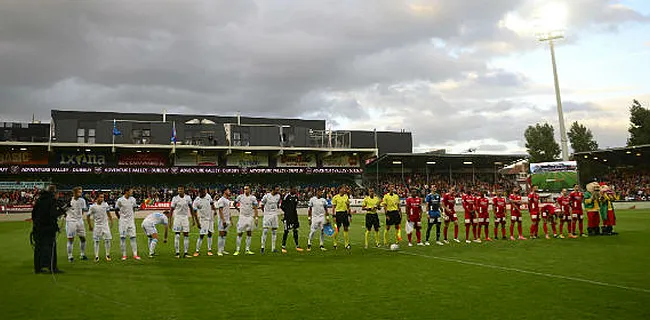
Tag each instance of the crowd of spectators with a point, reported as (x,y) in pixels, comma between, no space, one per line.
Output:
(18,197)
(630,185)
(462,182)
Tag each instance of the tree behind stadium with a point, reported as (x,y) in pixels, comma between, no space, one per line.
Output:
(541,144)
(581,138)
(639,125)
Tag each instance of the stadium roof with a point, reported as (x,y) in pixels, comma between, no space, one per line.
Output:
(615,157)
(446,160)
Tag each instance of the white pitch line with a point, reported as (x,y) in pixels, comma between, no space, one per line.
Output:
(548,275)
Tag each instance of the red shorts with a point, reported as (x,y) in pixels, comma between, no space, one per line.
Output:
(593,219)
(470,217)
(548,213)
(577,215)
(515,216)
(611,219)
(484,218)
(451,217)
(415,218)
(534,215)
(499,218)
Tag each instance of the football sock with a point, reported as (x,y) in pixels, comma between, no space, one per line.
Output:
(377,237)
(107,247)
(398,231)
(346,237)
(82,246)
(274,238)
(311,234)
(581,224)
(503,229)
(186,243)
(134,246)
(428,234)
(209,243)
(123,246)
(487,231)
(418,234)
(367,235)
(467,228)
(512,229)
(479,231)
(561,227)
(96,247)
(149,242)
(238,243)
(385,236)
(221,243)
(284,238)
(322,238)
(532,229)
(152,246)
(408,235)
(295,237)
(554,228)
(474,230)
(445,230)
(437,231)
(248,242)
(199,242)
(496,230)
(265,232)
(545,228)
(177,243)
(519,228)
(69,248)
(455,231)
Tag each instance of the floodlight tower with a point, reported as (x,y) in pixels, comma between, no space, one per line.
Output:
(551,37)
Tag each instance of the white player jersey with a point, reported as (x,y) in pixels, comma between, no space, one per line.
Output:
(224,203)
(181,206)
(156,218)
(126,207)
(271,203)
(318,207)
(77,207)
(99,212)
(204,207)
(246,204)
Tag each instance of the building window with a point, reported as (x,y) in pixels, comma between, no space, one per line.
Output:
(146,133)
(91,132)
(81,140)
(81,135)
(91,140)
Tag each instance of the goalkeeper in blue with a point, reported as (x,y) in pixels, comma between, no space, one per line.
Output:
(432,201)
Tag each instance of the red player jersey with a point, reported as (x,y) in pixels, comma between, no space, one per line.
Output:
(565,203)
(483,205)
(414,206)
(533,202)
(468,202)
(576,201)
(499,204)
(450,202)
(514,207)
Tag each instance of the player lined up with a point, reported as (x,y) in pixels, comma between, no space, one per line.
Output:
(203,211)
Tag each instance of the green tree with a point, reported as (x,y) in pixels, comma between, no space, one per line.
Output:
(581,138)
(639,125)
(541,144)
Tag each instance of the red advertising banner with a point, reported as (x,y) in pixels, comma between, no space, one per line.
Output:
(156,206)
(143,159)
(23,157)
(13,170)
(17,208)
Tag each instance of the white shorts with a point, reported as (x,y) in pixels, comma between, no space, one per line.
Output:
(220,226)
(75,228)
(317,223)
(207,226)
(181,224)
(149,229)
(270,221)
(102,231)
(126,229)
(245,224)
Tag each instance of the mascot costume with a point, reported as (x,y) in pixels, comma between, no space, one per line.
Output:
(591,201)
(607,196)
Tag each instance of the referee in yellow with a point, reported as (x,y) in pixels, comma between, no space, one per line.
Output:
(370,204)
(341,212)
(393,214)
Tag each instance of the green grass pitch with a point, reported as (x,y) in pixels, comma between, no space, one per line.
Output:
(586,278)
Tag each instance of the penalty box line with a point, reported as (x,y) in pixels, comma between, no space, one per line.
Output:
(548,275)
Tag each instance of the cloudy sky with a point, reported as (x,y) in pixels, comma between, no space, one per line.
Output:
(458,74)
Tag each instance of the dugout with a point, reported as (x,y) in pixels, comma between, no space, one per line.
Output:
(593,165)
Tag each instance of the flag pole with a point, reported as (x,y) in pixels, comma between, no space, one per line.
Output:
(174,136)
(113,134)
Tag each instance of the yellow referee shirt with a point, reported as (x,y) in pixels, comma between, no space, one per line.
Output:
(371,203)
(391,202)
(341,203)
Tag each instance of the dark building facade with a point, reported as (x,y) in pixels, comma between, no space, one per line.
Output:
(25,132)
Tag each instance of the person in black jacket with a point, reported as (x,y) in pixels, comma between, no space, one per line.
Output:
(289,206)
(45,226)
